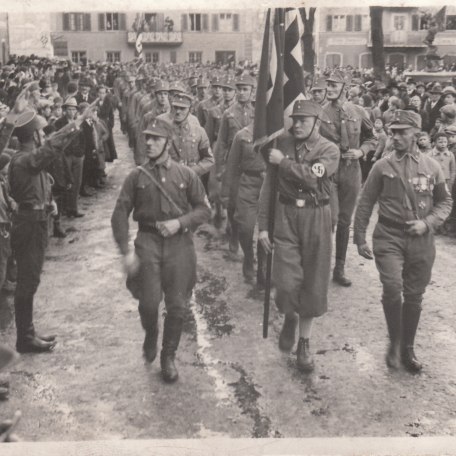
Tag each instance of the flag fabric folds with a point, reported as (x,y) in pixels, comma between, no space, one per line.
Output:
(281,77)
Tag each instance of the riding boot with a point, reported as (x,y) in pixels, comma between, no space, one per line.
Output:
(150,324)
(410,319)
(342,238)
(304,359)
(172,331)
(247,266)
(288,333)
(261,266)
(393,322)
(233,233)
(58,230)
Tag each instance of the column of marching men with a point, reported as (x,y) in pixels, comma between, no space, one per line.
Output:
(190,130)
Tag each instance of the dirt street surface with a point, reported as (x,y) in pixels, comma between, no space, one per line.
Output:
(233,383)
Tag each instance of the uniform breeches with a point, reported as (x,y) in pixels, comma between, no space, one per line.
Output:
(168,267)
(29,241)
(345,190)
(404,263)
(302,259)
(246,205)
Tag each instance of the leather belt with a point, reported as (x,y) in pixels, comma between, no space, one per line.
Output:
(302,202)
(253,173)
(148,228)
(31,207)
(392,223)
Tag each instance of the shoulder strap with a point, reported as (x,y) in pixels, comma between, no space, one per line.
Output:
(407,187)
(162,190)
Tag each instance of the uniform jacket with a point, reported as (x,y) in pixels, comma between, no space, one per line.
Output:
(140,195)
(190,146)
(214,120)
(359,126)
(298,176)
(433,200)
(235,118)
(202,112)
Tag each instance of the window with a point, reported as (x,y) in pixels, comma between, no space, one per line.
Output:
(113,56)
(333,60)
(60,48)
(195,57)
(79,56)
(148,57)
(451,22)
(225,22)
(76,22)
(399,23)
(339,23)
(111,21)
(195,22)
(173,56)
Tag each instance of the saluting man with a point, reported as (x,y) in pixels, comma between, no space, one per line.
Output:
(306,164)
(413,200)
(168,202)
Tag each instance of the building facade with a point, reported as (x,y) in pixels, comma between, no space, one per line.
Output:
(172,37)
(344,37)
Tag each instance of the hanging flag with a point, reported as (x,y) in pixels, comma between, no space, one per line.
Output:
(281,77)
(440,19)
(139,27)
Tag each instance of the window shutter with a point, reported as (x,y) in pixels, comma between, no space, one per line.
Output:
(329,23)
(66,21)
(205,22)
(101,22)
(184,22)
(78,21)
(415,22)
(349,25)
(160,21)
(87,24)
(122,21)
(235,22)
(358,23)
(215,22)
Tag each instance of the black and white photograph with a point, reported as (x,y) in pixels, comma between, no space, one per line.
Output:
(227,228)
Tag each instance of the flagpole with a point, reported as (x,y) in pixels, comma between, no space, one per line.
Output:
(274,172)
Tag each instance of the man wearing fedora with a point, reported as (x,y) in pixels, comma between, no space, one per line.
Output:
(302,243)
(433,104)
(413,201)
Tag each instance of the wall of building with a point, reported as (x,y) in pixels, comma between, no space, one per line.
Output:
(3,38)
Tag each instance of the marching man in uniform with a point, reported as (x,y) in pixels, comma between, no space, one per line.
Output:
(302,237)
(413,200)
(168,202)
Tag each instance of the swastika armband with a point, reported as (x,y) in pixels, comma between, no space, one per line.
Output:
(318,169)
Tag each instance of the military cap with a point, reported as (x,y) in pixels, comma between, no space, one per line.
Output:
(245,79)
(70,103)
(202,83)
(449,89)
(339,76)
(319,84)
(307,108)
(228,82)
(158,127)
(161,86)
(176,86)
(217,81)
(405,119)
(450,130)
(26,126)
(183,100)
(449,110)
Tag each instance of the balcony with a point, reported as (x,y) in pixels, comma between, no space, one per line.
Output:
(401,39)
(163,37)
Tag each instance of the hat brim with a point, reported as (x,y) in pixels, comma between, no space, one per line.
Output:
(400,126)
(154,133)
(317,88)
(24,118)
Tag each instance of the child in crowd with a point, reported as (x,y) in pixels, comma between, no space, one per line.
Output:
(380,134)
(424,143)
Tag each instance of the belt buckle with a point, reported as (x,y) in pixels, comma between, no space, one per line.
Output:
(300,203)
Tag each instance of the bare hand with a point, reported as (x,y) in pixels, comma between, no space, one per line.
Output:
(169,228)
(54,210)
(263,237)
(353,154)
(131,263)
(416,227)
(365,251)
(373,159)
(275,156)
